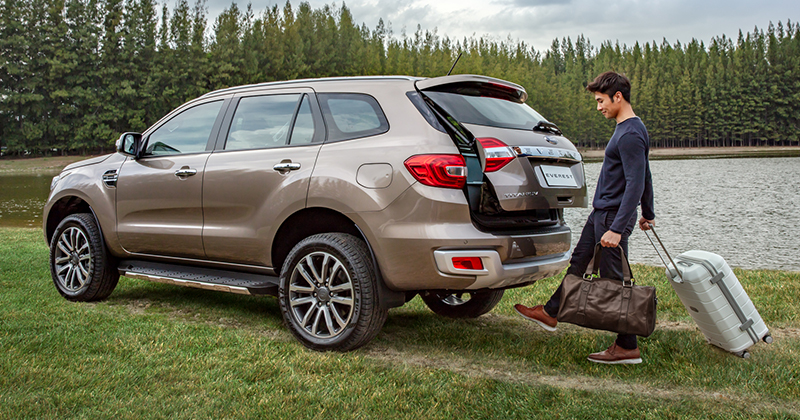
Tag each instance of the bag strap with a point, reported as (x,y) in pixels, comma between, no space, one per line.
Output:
(594,265)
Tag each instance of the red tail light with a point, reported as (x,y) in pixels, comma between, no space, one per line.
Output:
(498,154)
(468,263)
(447,171)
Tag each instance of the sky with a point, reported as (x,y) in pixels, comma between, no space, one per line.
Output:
(539,22)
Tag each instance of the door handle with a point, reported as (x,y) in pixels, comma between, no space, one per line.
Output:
(284,167)
(185,172)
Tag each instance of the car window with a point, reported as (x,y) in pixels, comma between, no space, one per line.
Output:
(303,131)
(262,122)
(352,115)
(486,110)
(187,132)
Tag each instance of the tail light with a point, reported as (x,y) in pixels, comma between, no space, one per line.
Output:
(446,171)
(498,154)
(468,263)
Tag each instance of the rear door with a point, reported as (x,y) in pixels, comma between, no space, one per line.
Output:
(259,173)
(526,163)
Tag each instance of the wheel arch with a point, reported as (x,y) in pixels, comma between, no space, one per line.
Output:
(64,207)
(314,220)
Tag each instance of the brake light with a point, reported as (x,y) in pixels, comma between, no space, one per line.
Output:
(497,153)
(446,171)
(468,263)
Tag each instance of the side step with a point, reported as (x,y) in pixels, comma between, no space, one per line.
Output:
(201,278)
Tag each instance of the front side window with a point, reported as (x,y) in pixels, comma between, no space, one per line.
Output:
(187,132)
(352,115)
(262,122)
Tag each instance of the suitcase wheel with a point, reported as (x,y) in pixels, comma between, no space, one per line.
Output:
(745,354)
(767,339)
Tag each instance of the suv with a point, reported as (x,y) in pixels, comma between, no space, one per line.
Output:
(343,197)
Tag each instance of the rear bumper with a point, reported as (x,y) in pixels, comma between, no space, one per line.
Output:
(495,274)
(427,223)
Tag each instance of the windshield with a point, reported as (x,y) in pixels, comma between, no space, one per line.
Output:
(484,110)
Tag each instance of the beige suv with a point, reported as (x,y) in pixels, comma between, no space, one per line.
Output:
(343,197)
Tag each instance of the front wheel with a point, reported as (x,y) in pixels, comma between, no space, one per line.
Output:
(81,267)
(462,304)
(328,293)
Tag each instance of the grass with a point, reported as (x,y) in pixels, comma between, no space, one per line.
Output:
(160,351)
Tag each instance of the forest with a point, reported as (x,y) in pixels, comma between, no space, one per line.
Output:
(74,74)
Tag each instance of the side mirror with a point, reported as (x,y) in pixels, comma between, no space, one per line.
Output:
(128,144)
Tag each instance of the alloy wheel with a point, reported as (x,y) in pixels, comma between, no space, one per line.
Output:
(321,295)
(73,260)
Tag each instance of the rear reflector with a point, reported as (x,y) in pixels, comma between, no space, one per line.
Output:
(446,171)
(497,153)
(467,263)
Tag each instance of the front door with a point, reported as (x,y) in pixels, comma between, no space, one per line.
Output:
(159,196)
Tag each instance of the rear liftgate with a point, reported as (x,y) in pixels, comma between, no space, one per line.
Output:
(517,180)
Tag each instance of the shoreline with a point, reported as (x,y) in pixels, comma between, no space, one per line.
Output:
(675,153)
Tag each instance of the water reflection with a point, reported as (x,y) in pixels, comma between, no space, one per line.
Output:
(22,198)
(745,210)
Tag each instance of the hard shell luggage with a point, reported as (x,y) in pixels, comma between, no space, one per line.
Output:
(715,299)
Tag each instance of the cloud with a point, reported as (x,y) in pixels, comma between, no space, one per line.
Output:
(538,22)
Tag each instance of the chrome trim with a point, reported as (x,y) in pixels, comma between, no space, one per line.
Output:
(188,283)
(547,153)
(110,178)
(185,172)
(284,167)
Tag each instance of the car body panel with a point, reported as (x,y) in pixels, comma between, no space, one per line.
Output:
(228,214)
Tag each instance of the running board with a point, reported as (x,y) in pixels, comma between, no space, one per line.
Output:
(201,278)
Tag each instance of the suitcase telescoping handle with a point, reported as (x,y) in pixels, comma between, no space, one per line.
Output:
(663,248)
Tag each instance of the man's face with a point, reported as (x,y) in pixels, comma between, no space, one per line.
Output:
(606,106)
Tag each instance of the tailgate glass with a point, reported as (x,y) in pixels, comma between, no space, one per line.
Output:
(487,110)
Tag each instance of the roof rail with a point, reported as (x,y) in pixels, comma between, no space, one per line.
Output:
(323,79)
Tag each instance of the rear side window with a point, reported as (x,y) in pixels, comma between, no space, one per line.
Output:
(487,110)
(352,115)
(262,122)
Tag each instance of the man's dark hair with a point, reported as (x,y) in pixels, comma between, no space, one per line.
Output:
(610,83)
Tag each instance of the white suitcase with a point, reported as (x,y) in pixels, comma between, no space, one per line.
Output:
(715,299)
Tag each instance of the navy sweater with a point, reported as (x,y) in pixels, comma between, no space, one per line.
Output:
(625,178)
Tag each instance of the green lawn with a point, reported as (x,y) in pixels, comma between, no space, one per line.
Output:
(160,351)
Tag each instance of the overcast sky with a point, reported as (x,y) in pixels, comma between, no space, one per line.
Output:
(538,22)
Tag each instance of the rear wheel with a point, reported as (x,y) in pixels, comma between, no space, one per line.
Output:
(328,293)
(462,304)
(81,267)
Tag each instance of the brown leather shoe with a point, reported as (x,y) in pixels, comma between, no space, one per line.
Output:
(537,315)
(616,355)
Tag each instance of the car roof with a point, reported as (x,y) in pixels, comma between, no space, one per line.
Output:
(324,80)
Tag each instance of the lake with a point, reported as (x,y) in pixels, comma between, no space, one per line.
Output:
(746,210)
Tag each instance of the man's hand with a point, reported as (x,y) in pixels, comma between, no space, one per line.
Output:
(610,239)
(644,224)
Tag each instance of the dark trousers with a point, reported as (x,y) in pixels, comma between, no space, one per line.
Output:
(610,264)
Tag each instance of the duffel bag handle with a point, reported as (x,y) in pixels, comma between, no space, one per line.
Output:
(594,265)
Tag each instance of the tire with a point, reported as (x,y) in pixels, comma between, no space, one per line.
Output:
(328,293)
(81,267)
(454,305)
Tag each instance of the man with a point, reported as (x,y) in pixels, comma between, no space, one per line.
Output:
(624,182)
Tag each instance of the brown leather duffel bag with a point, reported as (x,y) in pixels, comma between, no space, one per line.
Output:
(608,304)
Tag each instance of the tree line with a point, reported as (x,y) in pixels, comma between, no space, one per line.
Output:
(76,73)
